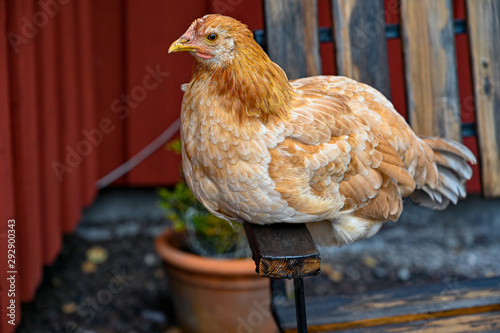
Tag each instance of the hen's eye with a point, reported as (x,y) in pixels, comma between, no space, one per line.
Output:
(212,37)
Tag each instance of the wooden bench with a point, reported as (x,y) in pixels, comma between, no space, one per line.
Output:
(360,36)
(417,306)
(286,251)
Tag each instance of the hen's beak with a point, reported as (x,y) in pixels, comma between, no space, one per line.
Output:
(182,45)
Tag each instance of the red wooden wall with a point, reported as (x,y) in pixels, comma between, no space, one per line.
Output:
(85,85)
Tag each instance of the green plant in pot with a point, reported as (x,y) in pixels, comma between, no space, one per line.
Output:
(206,234)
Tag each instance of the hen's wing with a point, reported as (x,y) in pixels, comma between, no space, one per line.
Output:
(349,158)
(342,162)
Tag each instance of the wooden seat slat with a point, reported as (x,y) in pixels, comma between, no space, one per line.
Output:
(486,322)
(283,250)
(394,306)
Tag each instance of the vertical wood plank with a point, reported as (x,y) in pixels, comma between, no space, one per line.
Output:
(361,47)
(431,71)
(153,79)
(292,31)
(108,38)
(49,138)
(7,208)
(71,173)
(90,133)
(25,129)
(484,29)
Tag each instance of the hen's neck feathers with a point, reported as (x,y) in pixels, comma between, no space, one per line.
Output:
(251,83)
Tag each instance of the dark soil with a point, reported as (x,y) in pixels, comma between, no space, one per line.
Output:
(108,277)
(127,293)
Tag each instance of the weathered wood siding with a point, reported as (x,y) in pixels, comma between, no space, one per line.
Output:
(359,33)
(431,71)
(292,36)
(484,32)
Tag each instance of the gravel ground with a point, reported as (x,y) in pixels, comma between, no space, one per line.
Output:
(108,277)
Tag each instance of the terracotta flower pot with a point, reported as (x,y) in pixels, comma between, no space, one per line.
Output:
(215,295)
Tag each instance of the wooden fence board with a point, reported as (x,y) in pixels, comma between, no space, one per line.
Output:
(49,136)
(484,29)
(109,74)
(292,34)
(71,179)
(361,47)
(431,73)
(90,132)
(7,208)
(26,153)
(153,81)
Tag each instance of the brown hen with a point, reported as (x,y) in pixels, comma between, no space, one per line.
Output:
(325,150)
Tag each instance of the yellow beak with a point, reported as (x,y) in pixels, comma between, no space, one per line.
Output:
(180,45)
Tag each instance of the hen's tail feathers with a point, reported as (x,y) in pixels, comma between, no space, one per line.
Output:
(451,159)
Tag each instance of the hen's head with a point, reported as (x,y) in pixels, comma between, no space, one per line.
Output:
(228,58)
(213,39)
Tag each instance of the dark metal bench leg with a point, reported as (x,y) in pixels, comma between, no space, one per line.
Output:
(300,305)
